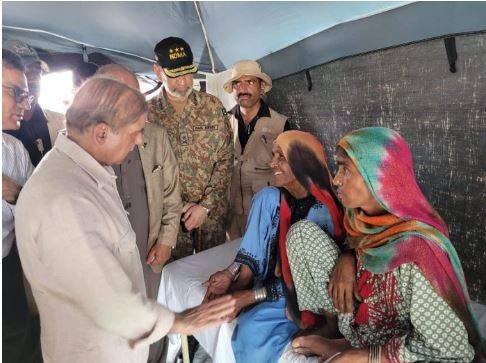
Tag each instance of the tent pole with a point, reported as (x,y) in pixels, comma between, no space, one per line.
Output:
(203,27)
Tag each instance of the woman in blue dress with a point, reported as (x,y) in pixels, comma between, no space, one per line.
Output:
(260,277)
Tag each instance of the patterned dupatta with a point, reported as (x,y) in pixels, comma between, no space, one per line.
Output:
(307,159)
(412,231)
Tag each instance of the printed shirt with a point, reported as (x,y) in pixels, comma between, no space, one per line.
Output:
(402,312)
(17,166)
(201,138)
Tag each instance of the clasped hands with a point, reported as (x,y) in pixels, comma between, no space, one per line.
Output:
(193,215)
(219,284)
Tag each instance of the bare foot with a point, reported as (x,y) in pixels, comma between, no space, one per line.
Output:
(313,345)
(327,328)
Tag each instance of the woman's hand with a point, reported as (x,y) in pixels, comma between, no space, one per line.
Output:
(243,299)
(342,284)
(218,284)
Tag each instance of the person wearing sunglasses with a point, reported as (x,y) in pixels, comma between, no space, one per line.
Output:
(16,169)
(39,127)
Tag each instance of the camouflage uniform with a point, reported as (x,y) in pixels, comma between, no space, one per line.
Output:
(202,140)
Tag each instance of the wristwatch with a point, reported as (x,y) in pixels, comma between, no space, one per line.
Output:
(206,209)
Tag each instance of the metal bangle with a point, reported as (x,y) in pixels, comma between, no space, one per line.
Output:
(260,294)
(374,355)
(233,269)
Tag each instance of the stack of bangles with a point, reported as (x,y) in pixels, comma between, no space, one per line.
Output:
(375,354)
(234,269)
(260,294)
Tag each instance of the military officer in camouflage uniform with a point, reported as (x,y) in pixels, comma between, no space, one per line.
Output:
(202,140)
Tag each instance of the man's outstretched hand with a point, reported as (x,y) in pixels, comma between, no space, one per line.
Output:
(205,315)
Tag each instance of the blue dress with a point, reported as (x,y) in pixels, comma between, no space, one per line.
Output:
(263,331)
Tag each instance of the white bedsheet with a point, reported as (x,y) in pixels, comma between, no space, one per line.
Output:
(180,289)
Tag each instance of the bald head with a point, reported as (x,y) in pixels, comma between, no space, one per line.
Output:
(120,74)
(104,100)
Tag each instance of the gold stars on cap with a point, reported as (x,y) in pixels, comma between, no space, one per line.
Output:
(177,53)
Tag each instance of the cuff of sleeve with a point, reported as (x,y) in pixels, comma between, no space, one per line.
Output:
(206,203)
(167,237)
(164,322)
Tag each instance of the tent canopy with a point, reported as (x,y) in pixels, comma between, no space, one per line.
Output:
(286,37)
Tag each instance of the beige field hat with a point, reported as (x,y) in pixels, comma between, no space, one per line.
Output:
(247,68)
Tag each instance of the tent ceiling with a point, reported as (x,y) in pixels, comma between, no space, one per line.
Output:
(128,31)
(236,30)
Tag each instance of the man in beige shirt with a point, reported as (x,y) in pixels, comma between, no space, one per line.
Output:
(148,184)
(76,244)
(39,127)
(255,128)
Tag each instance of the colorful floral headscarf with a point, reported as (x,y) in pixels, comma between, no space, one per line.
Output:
(412,231)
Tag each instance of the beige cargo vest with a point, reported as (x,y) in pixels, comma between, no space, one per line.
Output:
(251,170)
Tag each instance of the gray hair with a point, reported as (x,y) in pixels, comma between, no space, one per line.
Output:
(104,100)
(12,60)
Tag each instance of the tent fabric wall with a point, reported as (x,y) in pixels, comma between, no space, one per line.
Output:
(403,25)
(442,115)
(286,36)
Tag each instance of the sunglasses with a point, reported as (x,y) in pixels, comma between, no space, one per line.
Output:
(20,95)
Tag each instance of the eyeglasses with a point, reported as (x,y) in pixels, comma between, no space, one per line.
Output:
(248,82)
(20,95)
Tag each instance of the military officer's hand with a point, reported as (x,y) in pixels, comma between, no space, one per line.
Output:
(159,254)
(193,216)
(10,190)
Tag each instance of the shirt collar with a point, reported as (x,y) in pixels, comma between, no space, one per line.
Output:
(102,175)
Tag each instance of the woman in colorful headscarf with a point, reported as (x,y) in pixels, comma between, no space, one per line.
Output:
(303,191)
(413,301)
